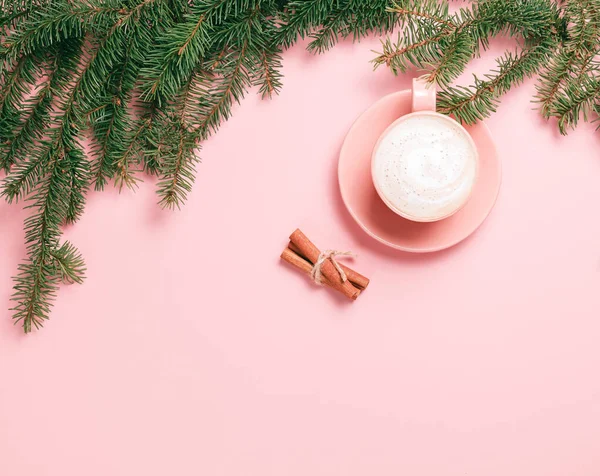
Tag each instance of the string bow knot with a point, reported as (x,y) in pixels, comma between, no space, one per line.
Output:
(330,255)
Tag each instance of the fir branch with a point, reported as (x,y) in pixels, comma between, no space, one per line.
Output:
(370,16)
(144,140)
(26,176)
(352,18)
(77,170)
(218,91)
(577,100)
(402,55)
(69,264)
(21,134)
(433,39)
(28,173)
(458,51)
(269,78)
(179,49)
(552,79)
(18,83)
(177,169)
(110,84)
(140,148)
(427,12)
(37,281)
(36,284)
(443,43)
(9,20)
(576,57)
(328,21)
(105,130)
(215,88)
(334,26)
(55,176)
(526,19)
(51,25)
(300,17)
(477,102)
(124,175)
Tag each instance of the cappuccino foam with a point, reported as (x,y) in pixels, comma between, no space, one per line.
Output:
(425,167)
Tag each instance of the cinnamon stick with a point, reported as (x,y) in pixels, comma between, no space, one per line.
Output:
(359,281)
(308,249)
(299,262)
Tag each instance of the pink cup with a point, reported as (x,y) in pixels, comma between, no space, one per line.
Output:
(423,104)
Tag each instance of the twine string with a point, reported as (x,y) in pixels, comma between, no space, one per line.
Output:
(317,275)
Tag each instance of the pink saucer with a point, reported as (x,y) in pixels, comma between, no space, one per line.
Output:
(373,216)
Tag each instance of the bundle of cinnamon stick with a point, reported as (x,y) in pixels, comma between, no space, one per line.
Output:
(303,254)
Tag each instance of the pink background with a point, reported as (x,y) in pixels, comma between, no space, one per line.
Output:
(190,350)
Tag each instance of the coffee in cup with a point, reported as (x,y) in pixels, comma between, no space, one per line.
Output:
(424,165)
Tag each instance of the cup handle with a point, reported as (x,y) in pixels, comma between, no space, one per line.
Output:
(423,95)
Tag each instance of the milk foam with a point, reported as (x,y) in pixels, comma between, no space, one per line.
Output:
(425,167)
